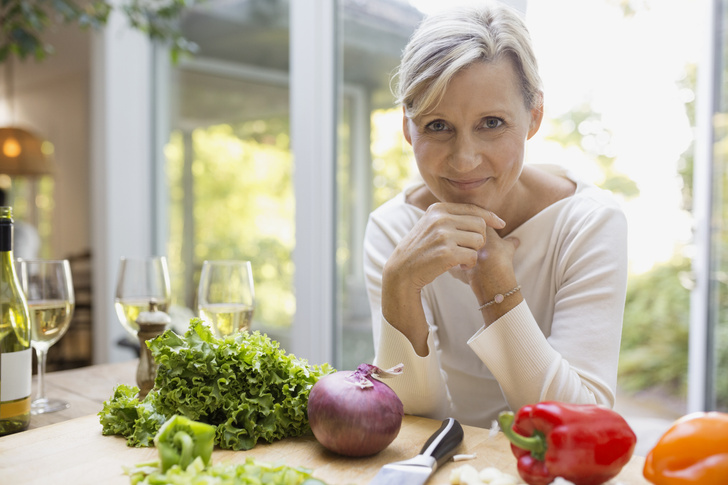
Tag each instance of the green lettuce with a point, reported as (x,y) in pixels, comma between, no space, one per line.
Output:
(243,384)
(251,472)
(123,414)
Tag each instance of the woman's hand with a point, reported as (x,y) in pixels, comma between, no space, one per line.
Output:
(448,235)
(493,274)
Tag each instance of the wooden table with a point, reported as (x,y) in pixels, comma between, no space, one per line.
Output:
(85,388)
(67,446)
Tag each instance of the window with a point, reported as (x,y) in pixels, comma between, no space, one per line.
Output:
(230,169)
(228,158)
(716,384)
(372,162)
(628,128)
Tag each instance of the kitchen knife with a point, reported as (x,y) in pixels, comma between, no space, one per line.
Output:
(416,471)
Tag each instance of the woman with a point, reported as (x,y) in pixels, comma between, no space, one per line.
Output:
(497,284)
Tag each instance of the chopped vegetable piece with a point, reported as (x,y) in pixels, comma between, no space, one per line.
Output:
(250,472)
(469,475)
(180,440)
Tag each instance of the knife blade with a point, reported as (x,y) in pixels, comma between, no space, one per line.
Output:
(416,471)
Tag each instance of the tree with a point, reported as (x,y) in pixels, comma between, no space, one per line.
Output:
(582,127)
(23,23)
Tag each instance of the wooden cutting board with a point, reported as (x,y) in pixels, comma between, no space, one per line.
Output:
(74,452)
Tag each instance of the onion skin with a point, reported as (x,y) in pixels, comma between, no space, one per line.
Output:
(354,421)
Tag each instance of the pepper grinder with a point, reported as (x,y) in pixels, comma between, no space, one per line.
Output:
(151,324)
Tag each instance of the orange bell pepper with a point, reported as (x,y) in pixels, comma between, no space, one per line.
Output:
(693,451)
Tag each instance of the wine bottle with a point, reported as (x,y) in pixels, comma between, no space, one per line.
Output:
(15,352)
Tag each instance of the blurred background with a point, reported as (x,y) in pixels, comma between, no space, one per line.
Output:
(278,135)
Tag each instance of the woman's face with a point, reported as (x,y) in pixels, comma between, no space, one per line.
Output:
(470,147)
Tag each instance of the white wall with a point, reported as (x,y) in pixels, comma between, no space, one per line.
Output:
(51,99)
(121,169)
(313,108)
(60,110)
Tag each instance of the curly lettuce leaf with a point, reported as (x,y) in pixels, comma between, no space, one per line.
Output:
(125,415)
(243,384)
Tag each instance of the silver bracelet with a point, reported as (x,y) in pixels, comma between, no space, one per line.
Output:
(499,298)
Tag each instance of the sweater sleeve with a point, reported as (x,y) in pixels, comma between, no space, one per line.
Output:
(421,388)
(577,360)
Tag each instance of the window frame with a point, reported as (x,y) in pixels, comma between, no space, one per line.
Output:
(703,302)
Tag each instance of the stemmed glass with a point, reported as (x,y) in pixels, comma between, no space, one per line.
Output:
(48,288)
(142,281)
(226,296)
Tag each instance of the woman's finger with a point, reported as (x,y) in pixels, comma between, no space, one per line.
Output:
(491,218)
(470,239)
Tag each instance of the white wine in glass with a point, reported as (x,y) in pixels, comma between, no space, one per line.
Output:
(52,317)
(226,296)
(227,318)
(48,288)
(141,281)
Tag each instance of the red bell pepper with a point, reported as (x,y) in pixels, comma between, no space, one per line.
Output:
(583,443)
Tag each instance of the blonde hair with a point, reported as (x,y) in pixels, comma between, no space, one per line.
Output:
(452,40)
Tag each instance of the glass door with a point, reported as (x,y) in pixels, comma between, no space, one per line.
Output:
(228,162)
(372,161)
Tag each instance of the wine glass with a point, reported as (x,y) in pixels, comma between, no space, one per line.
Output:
(226,296)
(142,281)
(48,287)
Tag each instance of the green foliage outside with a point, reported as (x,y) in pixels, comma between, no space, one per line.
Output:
(656,329)
(393,164)
(583,128)
(243,209)
(24,23)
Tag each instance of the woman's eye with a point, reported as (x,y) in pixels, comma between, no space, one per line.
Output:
(492,122)
(436,125)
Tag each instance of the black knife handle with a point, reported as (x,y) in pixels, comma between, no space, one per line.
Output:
(443,443)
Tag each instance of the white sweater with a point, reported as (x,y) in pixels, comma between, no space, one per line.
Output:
(561,343)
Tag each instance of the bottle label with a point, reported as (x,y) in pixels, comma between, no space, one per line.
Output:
(15,375)
(15,408)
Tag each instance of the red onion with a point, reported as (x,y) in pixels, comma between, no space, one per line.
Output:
(354,414)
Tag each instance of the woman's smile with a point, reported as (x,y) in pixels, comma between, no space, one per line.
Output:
(468,184)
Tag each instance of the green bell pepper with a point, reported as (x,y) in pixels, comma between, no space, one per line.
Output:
(180,440)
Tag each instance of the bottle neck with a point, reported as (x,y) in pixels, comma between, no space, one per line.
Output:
(6,235)
(6,229)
